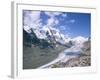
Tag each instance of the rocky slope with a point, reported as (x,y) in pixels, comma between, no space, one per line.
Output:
(83,60)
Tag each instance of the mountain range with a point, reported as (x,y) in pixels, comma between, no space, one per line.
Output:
(49,37)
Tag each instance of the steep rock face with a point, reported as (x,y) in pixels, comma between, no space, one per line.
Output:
(87,48)
(26,39)
(30,39)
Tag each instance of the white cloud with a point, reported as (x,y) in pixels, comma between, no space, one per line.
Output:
(64,15)
(48,13)
(50,21)
(56,21)
(62,28)
(57,13)
(53,14)
(32,19)
(72,20)
(35,15)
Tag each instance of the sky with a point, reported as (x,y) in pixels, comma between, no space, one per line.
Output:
(69,23)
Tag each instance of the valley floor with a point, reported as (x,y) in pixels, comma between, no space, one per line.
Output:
(59,57)
(34,57)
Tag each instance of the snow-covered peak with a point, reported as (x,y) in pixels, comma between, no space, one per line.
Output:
(27,29)
(59,37)
(40,34)
(79,40)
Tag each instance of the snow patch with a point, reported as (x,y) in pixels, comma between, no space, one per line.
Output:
(79,41)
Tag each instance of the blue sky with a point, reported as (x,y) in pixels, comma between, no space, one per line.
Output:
(69,23)
(82,24)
